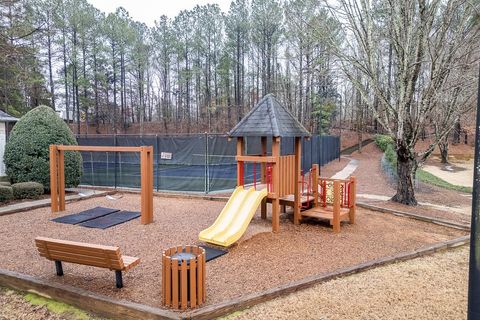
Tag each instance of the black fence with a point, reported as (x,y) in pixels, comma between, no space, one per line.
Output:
(196,163)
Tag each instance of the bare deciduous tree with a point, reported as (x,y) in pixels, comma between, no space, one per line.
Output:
(431,42)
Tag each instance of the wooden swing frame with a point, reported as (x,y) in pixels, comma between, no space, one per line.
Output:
(57,175)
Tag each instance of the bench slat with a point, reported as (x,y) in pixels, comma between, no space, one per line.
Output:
(130,262)
(76,244)
(99,254)
(71,247)
(111,260)
(84,253)
(105,262)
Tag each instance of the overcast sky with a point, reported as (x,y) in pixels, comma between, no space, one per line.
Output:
(150,10)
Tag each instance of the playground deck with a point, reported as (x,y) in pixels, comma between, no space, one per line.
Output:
(297,252)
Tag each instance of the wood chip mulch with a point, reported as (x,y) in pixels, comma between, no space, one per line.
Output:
(260,261)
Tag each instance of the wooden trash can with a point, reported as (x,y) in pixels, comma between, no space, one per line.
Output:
(183,277)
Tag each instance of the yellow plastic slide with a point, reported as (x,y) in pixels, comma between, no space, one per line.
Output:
(234,218)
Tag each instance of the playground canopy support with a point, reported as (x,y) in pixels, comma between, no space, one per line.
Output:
(57,175)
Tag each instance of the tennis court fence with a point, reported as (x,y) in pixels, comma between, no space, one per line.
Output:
(195,163)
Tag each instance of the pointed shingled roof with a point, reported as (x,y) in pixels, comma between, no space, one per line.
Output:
(271,119)
(5,117)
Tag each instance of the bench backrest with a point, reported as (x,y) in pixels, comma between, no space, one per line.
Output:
(80,253)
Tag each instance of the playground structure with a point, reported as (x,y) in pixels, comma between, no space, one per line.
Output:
(282,182)
(57,175)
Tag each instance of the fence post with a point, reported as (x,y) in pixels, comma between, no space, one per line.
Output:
(157,175)
(116,160)
(91,168)
(207,180)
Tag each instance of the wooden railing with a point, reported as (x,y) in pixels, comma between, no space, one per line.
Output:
(346,192)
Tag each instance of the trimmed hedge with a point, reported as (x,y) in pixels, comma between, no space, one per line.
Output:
(27,190)
(6,193)
(27,154)
(383,141)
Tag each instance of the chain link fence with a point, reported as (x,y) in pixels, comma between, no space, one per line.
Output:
(195,163)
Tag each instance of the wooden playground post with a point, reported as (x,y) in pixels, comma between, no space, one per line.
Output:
(263,164)
(53,178)
(146,165)
(240,167)
(352,200)
(336,206)
(263,208)
(276,185)
(297,181)
(315,171)
(61,179)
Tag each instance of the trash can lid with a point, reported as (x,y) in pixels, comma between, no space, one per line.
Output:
(183,256)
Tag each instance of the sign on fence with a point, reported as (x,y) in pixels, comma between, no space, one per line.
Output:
(166,155)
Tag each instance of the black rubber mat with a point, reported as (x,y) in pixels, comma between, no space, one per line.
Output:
(213,253)
(111,220)
(86,215)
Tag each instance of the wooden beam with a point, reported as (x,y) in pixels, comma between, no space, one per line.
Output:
(264,165)
(276,184)
(263,168)
(240,168)
(146,166)
(297,173)
(316,169)
(353,200)
(336,206)
(149,199)
(53,178)
(61,180)
(99,148)
(256,159)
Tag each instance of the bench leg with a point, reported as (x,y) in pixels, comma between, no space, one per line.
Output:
(58,266)
(118,278)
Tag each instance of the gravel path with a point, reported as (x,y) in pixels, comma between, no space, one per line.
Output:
(433,287)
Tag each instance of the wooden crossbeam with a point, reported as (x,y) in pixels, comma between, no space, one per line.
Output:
(260,159)
(99,148)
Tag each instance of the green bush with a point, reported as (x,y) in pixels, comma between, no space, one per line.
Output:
(6,193)
(391,155)
(27,190)
(383,141)
(27,151)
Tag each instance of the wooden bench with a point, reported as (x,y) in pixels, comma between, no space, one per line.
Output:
(87,254)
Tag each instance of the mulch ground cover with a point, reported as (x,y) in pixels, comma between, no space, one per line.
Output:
(260,261)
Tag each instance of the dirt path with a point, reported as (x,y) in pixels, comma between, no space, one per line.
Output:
(433,287)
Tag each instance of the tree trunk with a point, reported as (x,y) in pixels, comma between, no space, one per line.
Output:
(50,71)
(456,132)
(65,74)
(443,146)
(406,169)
